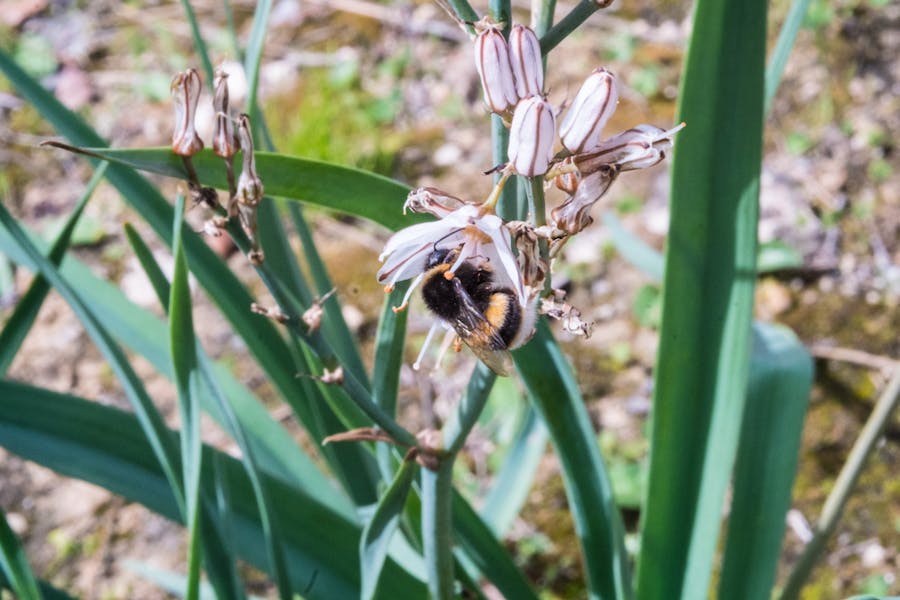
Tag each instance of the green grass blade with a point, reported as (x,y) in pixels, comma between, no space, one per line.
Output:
(14,564)
(199,43)
(20,322)
(389,340)
(487,554)
(230,421)
(552,386)
(184,364)
(145,334)
(513,481)
(786,38)
(344,189)
(381,527)
(777,397)
(253,56)
(159,437)
(704,354)
(48,428)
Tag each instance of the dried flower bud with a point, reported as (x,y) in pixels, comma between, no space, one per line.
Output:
(432,201)
(249,185)
(567,182)
(533,268)
(492,62)
(574,214)
(185,94)
(531,136)
(637,148)
(335,377)
(525,58)
(225,142)
(556,308)
(594,104)
(274,313)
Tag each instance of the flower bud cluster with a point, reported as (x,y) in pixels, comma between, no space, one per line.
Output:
(509,71)
(244,195)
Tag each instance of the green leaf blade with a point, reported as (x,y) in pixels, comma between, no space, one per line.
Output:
(704,354)
(779,388)
(14,564)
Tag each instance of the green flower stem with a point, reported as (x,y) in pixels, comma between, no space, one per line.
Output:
(501,11)
(456,430)
(437,528)
(568,24)
(290,305)
(506,206)
(846,480)
(464,11)
(542,16)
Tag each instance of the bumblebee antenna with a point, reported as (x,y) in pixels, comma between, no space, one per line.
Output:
(444,237)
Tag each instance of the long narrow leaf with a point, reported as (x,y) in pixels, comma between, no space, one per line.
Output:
(380,529)
(14,564)
(231,423)
(344,189)
(777,397)
(513,482)
(786,38)
(184,364)
(702,369)
(49,428)
(20,322)
(552,386)
(145,334)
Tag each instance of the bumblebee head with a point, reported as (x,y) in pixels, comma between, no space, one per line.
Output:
(440,256)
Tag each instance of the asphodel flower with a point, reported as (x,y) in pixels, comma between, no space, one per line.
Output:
(494,68)
(185,90)
(582,126)
(525,58)
(573,215)
(531,136)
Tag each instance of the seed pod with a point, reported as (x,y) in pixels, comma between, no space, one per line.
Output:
(185,94)
(249,185)
(225,142)
(525,58)
(594,104)
(531,136)
(492,62)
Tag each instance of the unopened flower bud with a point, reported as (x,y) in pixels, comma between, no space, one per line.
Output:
(637,148)
(492,62)
(525,58)
(249,185)
(185,94)
(594,104)
(573,215)
(432,201)
(225,142)
(531,136)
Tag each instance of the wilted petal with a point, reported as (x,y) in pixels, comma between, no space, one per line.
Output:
(531,136)
(432,201)
(637,148)
(185,94)
(526,61)
(582,127)
(574,214)
(492,62)
(225,141)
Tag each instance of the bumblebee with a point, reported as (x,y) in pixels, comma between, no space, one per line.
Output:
(486,316)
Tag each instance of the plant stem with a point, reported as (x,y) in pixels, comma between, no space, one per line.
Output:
(437,532)
(542,16)
(837,499)
(457,429)
(463,10)
(568,24)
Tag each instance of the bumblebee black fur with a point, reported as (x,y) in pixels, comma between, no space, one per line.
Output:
(483,314)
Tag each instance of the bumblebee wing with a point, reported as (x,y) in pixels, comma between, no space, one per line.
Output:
(479,334)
